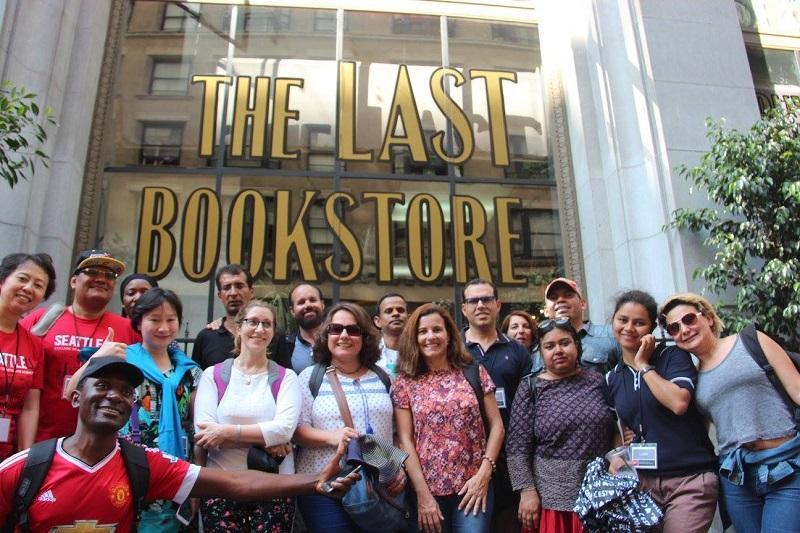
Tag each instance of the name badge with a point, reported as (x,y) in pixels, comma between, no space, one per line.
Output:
(644,455)
(64,389)
(5,428)
(500,396)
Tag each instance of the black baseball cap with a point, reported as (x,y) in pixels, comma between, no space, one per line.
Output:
(97,365)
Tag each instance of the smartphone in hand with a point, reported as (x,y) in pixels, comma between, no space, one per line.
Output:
(346,471)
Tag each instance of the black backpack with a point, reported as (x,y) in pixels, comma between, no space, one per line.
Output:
(749,337)
(38,462)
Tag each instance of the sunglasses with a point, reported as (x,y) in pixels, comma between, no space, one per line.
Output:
(99,272)
(485,300)
(549,325)
(353,330)
(689,319)
(253,323)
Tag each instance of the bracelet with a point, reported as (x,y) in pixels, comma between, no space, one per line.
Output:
(491,462)
(238,432)
(647,369)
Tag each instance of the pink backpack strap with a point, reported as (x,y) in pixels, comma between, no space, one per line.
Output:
(276,375)
(222,376)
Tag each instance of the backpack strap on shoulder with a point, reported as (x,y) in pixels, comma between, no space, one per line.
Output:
(316,379)
(37,464)
(222,376)
(473,377)
(383,376)
(275,376)
(138,469)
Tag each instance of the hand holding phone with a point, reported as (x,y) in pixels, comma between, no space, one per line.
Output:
(346,471)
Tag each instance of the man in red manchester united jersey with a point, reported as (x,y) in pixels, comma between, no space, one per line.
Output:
(87,488)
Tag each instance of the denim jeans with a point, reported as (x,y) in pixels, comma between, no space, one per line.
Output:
(322,514)
(456,522)
(756,506)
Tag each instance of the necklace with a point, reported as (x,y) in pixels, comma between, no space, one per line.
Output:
(250,372)
(346,373)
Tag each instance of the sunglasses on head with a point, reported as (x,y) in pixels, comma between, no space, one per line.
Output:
(353,330)
(689,319)
(548,325)
(99,272)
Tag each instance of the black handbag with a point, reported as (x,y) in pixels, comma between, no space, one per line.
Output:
(259,459)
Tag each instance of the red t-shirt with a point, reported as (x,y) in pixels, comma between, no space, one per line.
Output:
(21,369)
(66,337)
(78,497)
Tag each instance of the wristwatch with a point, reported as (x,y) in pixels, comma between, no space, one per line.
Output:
(646,369)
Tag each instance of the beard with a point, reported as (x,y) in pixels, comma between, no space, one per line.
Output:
(309,323)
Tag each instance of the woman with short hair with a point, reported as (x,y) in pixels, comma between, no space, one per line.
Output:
(25,281)
(162,416)
(758,442)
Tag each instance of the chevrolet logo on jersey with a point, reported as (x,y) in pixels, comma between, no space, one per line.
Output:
(82,526)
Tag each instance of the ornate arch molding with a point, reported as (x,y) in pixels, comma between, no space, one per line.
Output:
(86,233)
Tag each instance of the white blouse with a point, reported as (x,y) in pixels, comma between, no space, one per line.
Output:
(249,400)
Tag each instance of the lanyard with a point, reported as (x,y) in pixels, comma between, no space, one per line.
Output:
(364,403)
(9,383)
(641,382)
(75,324)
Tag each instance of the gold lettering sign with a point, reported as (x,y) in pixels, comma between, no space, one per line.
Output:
(155,251)
(202,222)
(403,114)
(292,248)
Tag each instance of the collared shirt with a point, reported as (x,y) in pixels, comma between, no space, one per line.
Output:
(507,361)
(388,360)
(302,354)
(212,346)
(601,350)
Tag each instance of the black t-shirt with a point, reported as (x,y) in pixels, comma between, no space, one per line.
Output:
(683,444)
(212,346)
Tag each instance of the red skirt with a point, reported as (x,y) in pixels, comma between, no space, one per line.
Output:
(551,521)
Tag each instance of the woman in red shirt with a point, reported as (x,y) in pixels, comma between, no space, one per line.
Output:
(25,280)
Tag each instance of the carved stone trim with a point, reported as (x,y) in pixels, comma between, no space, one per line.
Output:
(92,190)
(565,179)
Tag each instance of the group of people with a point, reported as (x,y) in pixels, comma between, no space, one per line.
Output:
(499,424)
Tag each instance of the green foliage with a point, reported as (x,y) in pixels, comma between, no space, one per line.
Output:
(755,179)
(19,124)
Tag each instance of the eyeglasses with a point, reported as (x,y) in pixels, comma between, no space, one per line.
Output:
(99,272)
(689,319)
(253,323)
(475,300)
(353,330)
(548,325)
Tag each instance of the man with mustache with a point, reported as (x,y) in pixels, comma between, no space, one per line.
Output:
(235,290)
(391,316)
(563,298)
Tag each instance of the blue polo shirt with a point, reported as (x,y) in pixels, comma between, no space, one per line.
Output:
(683,444)
(506,361)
